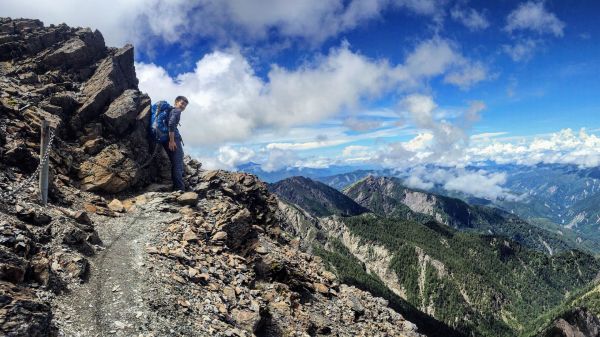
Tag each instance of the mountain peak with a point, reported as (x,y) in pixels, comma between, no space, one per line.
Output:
(315,197)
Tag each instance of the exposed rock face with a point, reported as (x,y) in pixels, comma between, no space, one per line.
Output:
(300,224)
(87,91)
(123,111)
(78,51)
(579,322)
(21,314)
(114,74)
(112,170)
(377,258)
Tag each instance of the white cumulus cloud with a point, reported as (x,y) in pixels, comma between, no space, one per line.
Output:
(469,17)
(224,21)
(521,50)
(533,16)
(230,103)
(477,183)
(231,157)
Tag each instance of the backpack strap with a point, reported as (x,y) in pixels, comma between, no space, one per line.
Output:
(158,106)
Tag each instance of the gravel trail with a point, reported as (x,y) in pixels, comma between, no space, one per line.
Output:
(112,303)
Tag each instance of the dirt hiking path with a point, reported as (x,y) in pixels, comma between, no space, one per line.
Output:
(111,302)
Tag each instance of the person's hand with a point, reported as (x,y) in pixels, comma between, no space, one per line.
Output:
(172,145)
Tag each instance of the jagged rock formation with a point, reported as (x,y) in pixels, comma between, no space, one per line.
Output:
(211,262)
(87,91)
(578,322)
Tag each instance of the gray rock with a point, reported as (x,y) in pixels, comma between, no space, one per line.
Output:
(82,217)
(122,112)
(114,74)
(188,198)
(78,51)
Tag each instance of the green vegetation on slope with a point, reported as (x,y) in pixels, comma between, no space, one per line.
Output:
(587,297)
(351,271)
(387,197)
(487,285)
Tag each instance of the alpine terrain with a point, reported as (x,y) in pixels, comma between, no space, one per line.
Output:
(478,270)
(112,254)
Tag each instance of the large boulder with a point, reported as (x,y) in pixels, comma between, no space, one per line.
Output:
(112,171)
(78,51)
(122,112)
(114,75)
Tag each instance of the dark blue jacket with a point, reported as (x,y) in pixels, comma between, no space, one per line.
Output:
(174,122)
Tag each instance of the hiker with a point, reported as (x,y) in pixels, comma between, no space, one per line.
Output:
(174,145)
(163,128)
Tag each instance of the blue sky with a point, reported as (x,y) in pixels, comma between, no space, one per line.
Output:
(369,83)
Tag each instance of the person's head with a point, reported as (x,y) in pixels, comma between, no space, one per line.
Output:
(181,102)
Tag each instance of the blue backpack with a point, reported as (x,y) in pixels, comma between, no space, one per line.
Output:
(159,121)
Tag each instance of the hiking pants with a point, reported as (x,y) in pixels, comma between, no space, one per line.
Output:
(176,158)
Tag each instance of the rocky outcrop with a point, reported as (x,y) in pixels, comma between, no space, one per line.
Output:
(114,74)
(88,92)
(112,170)
(578,322)
(78,51)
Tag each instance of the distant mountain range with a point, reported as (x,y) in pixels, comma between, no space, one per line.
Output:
(313,173)
(387,197)
(564,199)
(478,270)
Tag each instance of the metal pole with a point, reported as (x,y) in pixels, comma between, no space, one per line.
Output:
(44,169)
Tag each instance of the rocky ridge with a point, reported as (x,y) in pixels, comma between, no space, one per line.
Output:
(316,197)
(107,256)
(388,197)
